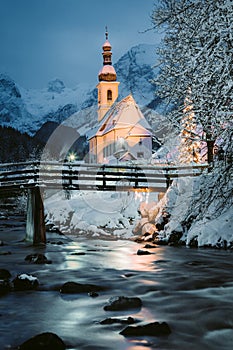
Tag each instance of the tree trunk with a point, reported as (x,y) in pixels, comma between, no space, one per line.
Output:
(210,151)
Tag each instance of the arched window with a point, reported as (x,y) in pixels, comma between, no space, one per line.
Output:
(109,95)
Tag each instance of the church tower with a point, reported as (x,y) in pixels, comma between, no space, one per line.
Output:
(107,86)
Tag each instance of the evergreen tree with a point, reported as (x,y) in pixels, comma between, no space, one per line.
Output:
(197,55)
(189,150)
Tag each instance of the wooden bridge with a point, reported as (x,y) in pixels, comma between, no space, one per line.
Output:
(37,177)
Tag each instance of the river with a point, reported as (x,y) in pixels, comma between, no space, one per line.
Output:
(190,289)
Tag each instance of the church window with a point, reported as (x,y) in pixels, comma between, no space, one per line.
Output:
(140,154)
(109,95)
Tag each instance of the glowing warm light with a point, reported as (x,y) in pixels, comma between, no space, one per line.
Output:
(71,157)
(190,146)
(141,194)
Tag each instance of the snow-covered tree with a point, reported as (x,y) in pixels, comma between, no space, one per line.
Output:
(197,55)
(189,149)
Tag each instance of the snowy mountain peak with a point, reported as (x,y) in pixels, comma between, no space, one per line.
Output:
(8,87)
(56,85)
(27,110)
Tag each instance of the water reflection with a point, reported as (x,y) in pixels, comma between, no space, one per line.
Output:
(190,289)
(139,345)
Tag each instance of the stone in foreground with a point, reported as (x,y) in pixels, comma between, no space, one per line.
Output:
(4,274)
(43,341)
(154,329)
(25,282)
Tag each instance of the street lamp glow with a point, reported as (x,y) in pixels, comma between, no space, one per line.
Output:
(71,157)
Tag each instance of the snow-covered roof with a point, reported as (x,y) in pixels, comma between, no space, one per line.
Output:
(107,45)
(125,115)
(106,69)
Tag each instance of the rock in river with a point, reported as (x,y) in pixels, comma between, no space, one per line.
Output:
(74,287)
(4,274)
(154,329)
(25,282)
(143,252)
(123,303)
(38,259)
(43,341)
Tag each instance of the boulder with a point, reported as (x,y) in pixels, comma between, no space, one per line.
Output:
(174,238)
(25,282)
(150,246)
(193,242)
(4,274)
(143,252)
(74,287)
(38,259)
(123,303)
(129,320)
(5,287)
(43,341)
(154,329)
(5,253)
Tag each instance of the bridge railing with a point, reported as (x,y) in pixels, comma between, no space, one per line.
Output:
(83,176)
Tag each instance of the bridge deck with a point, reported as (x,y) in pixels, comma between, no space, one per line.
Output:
(34,176)
(90,177)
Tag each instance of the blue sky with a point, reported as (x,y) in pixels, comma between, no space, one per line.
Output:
(46,39)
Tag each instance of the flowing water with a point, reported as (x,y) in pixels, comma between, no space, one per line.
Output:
(190,289)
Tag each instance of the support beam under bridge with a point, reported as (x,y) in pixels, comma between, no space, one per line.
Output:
(35,226)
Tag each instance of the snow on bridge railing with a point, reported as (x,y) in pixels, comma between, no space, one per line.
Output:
(75,176)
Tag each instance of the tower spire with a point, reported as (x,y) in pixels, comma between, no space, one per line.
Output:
(107,86)
(107,73)
(106,32)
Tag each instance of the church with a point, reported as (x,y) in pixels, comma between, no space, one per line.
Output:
(122,134)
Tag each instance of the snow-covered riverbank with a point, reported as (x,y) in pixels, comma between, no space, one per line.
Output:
(97,214)
(196,211)
(200,210)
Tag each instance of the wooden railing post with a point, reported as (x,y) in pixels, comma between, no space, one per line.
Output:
(104,177)
(168,180)
(35,226)
(36,172)
(136,177)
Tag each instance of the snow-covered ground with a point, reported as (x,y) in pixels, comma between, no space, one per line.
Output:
(108,214)
(42,102)
(200,209)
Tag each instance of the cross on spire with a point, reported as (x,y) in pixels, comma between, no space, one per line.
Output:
(106,32)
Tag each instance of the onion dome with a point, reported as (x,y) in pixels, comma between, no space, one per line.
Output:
(107,73)
(106,46)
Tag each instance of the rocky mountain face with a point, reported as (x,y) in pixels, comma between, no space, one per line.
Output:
(12,106)
(28,111)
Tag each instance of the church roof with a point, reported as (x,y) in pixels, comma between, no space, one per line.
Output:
(125,115)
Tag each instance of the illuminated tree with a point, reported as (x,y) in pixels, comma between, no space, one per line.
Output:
(189,149)
(197,54)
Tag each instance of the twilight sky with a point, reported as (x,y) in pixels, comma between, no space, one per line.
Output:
(46,39)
